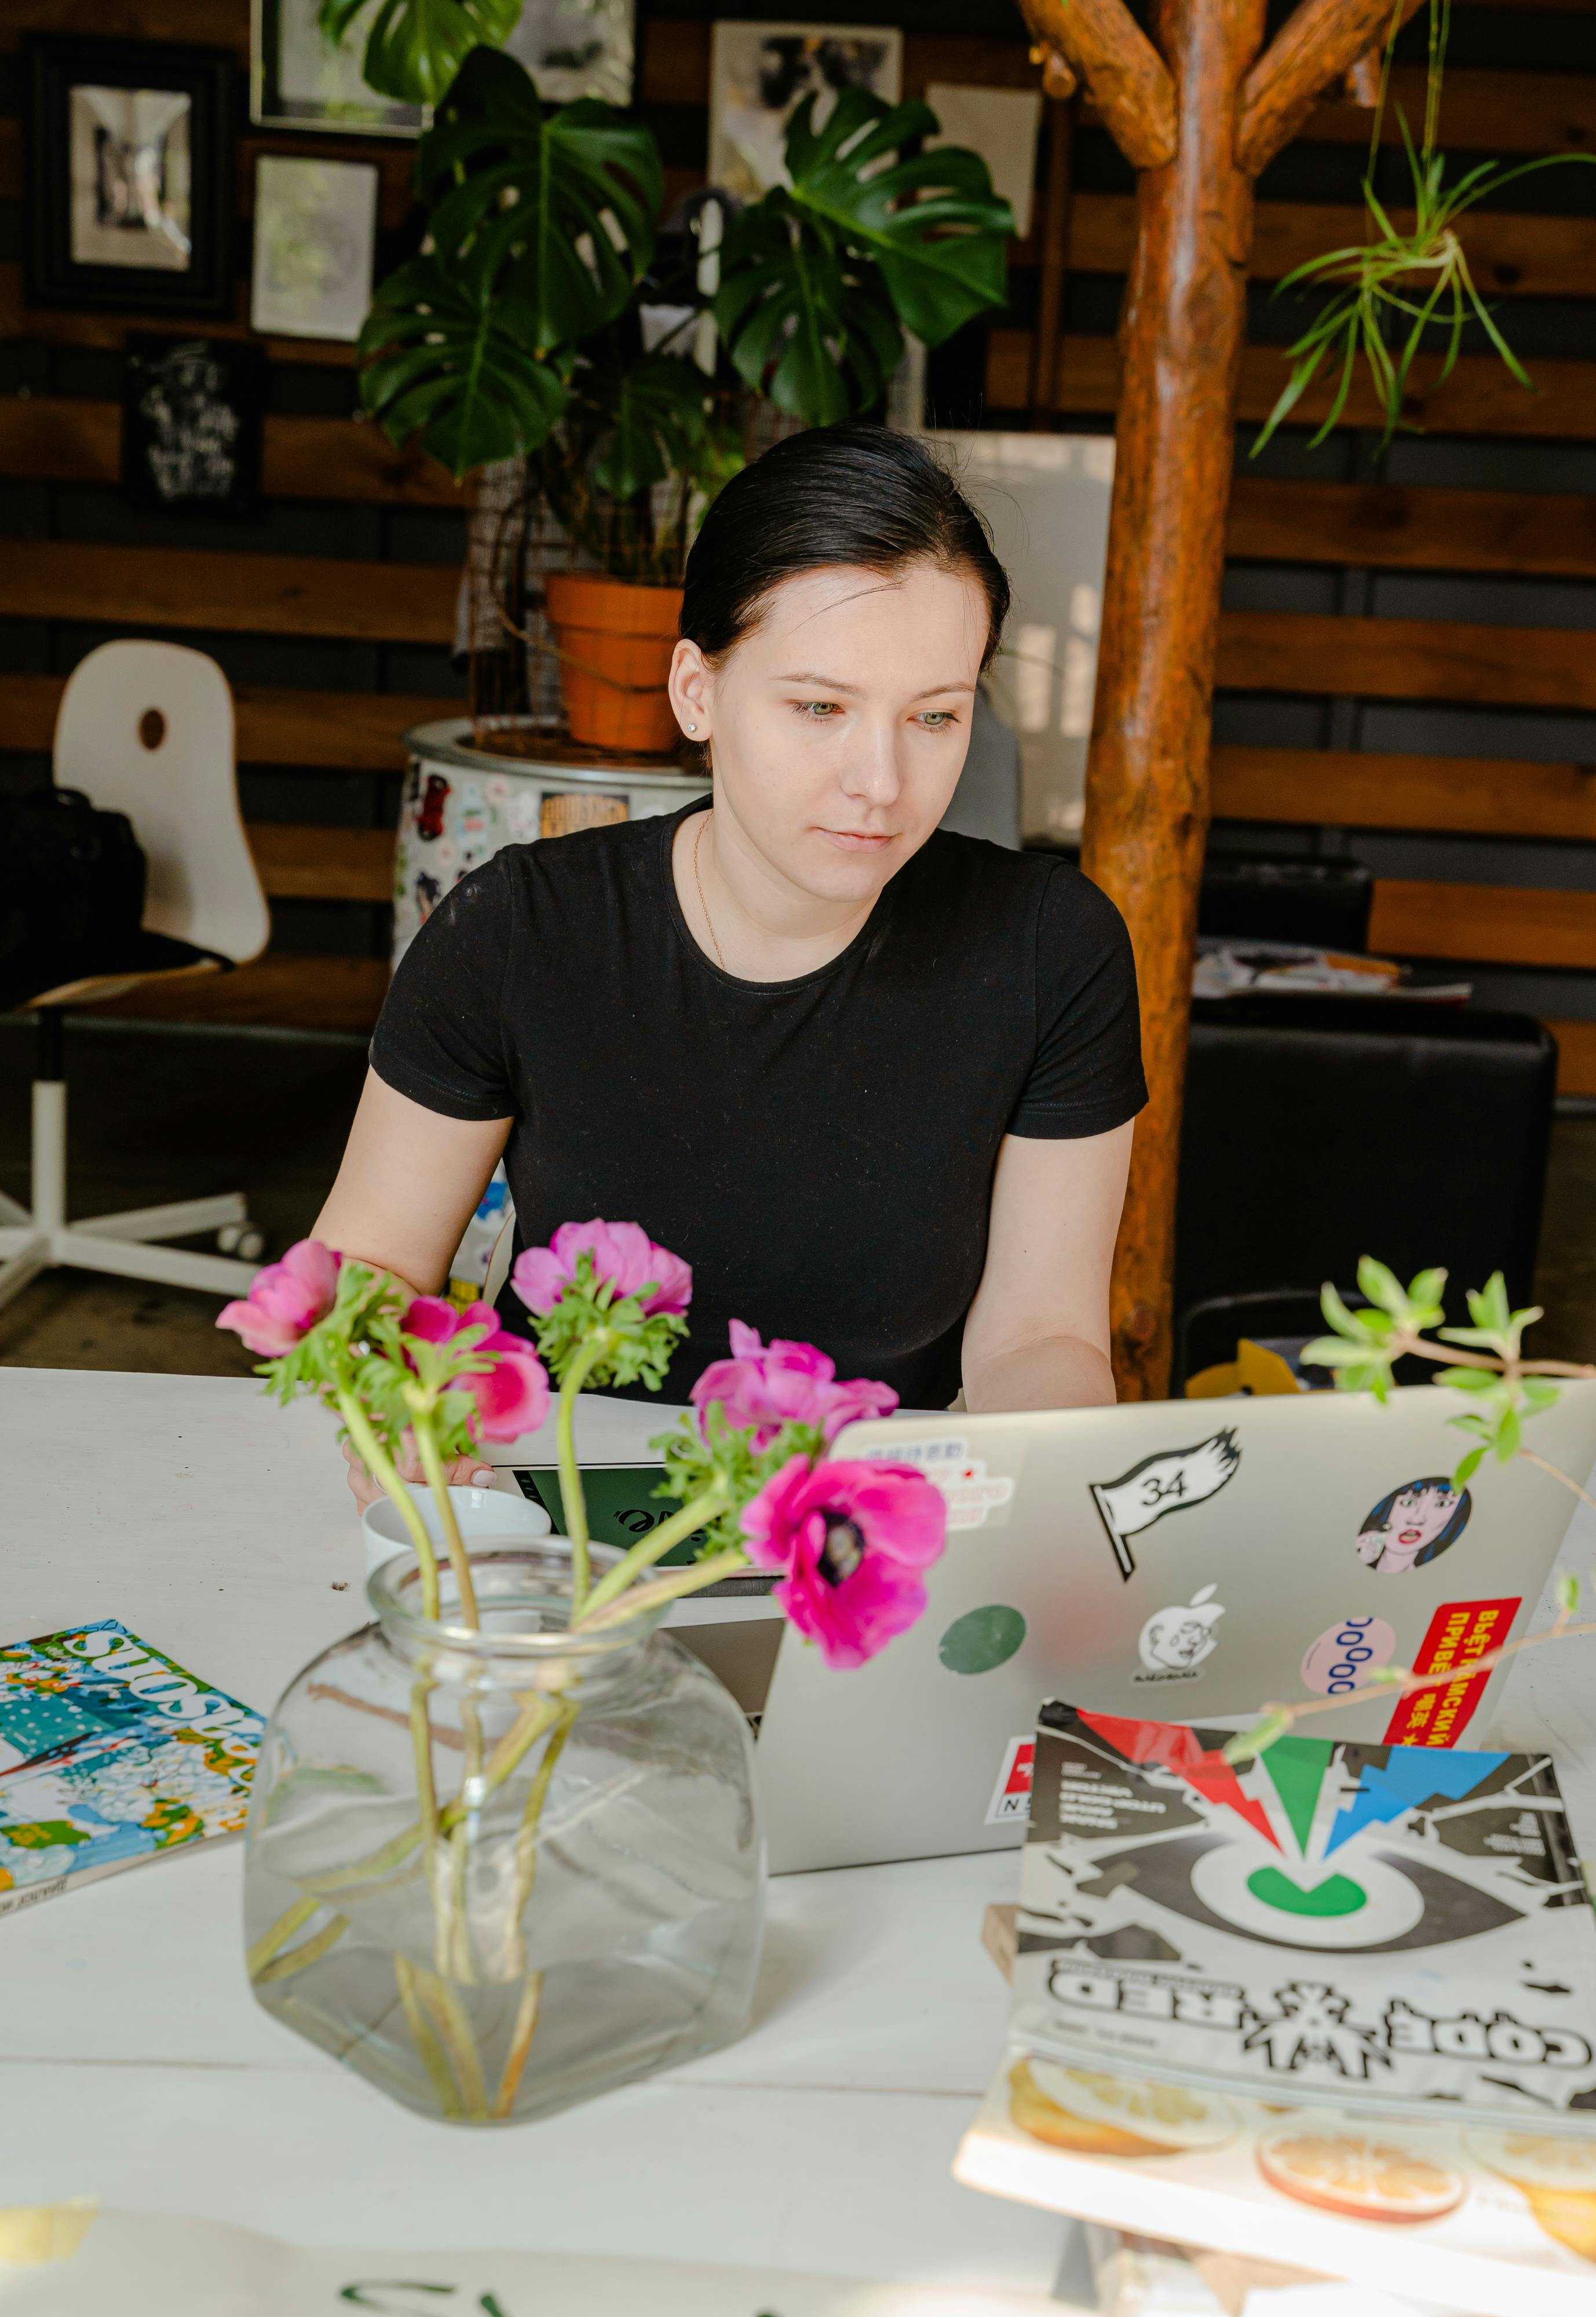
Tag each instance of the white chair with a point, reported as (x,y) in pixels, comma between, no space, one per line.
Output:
(147,730)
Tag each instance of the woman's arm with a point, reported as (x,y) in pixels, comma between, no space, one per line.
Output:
(1037,1334)
(410,1183)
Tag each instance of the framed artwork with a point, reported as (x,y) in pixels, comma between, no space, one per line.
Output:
(298,81)
(315,237)
(1000,124)
(193,420)
(128,177)
(760,74)
(577,47)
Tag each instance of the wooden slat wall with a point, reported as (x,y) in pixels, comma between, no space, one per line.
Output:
(66,442)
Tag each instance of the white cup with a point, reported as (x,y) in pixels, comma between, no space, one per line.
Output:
(480,1514)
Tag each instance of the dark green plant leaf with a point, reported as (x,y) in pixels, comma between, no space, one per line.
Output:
(442,355)
(558,207)
(657,423)
(414,47)
(817,281)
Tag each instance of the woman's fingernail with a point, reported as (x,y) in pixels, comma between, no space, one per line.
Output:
(483,1479)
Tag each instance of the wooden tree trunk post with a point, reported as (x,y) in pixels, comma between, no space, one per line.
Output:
(1199,118)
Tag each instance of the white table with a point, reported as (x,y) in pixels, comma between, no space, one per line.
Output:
(135,2066)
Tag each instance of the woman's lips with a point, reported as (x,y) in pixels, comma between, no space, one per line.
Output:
(1408,1536)
(858,840)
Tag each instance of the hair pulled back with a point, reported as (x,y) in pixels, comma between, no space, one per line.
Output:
(863,495)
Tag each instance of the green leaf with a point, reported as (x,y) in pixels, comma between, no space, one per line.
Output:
(558,208)
(1539,1393)
(414,47)
(1426,1292)
(1566,1594)
(1467,1469)
(1333,1352)
(1385,1676)
(1508,1435)
(1468,1379)
(1381,1286)
(1488,1306)
(443,356)
(817,280)
(1262,1735)
(655,423)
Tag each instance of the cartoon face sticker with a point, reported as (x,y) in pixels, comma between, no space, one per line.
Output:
(1176,1640)
(1414,1525)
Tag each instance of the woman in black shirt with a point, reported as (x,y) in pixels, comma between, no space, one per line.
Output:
(874,1081)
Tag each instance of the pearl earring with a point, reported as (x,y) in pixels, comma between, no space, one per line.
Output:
(692,728)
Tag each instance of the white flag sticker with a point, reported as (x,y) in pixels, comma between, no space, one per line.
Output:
(1164,1483)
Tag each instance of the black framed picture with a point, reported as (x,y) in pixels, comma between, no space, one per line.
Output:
(193,420)
(129,191)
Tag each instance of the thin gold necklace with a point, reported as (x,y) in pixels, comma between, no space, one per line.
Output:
(697,879)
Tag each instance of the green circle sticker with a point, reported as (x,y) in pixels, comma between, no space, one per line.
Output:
(1338,1895)
(981,1639)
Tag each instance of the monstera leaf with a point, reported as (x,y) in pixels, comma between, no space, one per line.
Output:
(558,206)
(651,423)
(414,47)
(816,280)
(442,355)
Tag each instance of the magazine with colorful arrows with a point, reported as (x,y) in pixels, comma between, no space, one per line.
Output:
(1381,1928)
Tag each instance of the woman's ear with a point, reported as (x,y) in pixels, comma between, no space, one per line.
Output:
(692,687)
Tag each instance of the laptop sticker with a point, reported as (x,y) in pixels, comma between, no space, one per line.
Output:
(981,1639)
(1414,1526)
(1167,1483)
(1461,1632)
(1342,1658)
(1174,1643)
(1011,1796)
(975,1497)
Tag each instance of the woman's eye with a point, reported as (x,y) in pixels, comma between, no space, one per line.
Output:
(818,711)
(935,719)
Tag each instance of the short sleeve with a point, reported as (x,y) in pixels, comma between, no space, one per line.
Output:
(440,1037)
(1087,1075)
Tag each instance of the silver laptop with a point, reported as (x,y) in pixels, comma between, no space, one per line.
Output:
(1173,1560)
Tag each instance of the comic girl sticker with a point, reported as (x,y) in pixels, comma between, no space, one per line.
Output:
(1414,1526)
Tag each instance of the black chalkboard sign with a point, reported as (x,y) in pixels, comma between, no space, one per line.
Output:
(194,415)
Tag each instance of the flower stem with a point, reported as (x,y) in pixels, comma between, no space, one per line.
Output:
(664,1589)
(595,1348)
(523,1734)
(308,1952)
(432,1465)
(655,1545)
(379,1465)
(427,2043)
(526,2012)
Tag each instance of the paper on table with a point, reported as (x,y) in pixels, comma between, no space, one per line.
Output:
(143,2265)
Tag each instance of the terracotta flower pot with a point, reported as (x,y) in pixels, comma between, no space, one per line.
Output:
(615,642)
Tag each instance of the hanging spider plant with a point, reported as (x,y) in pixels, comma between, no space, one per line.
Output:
(1396,291)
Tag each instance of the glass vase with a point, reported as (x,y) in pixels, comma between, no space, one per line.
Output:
(499,1872)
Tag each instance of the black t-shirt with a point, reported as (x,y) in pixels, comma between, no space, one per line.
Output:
(820,1150)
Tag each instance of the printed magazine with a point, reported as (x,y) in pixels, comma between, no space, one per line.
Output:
(1333,2007)
(110,1753)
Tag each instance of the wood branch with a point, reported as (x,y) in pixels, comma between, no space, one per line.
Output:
(1318,44)
(1482,396)
(1476,796)
(1322,654)
(1483,924)
(1128,80)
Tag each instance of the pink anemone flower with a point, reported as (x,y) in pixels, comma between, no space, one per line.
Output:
(285,1300)
(853,1538)
(622,1254)
(763,1386)
(512,1396)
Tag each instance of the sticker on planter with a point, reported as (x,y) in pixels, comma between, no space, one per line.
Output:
(975,1497)
(1011,1796)
(1171,1480)
(1174,1643)
(566,811)
(1344,1655)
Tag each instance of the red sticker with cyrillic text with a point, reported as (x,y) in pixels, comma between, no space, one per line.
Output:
(1461,1632)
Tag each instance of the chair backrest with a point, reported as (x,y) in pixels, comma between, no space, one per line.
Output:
(146,728)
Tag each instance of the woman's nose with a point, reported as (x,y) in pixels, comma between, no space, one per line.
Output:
(871,772)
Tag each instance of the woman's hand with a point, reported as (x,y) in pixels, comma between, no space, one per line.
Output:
(462,1472)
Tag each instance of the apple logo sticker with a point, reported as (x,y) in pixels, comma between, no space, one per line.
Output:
(1175,1641)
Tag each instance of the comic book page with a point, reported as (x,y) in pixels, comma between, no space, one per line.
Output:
(110,1753)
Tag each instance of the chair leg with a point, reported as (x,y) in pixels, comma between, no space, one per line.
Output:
(182,1218)
(22,1263)
(12,1214)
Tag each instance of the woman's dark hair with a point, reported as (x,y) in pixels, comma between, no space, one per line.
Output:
(866,495)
